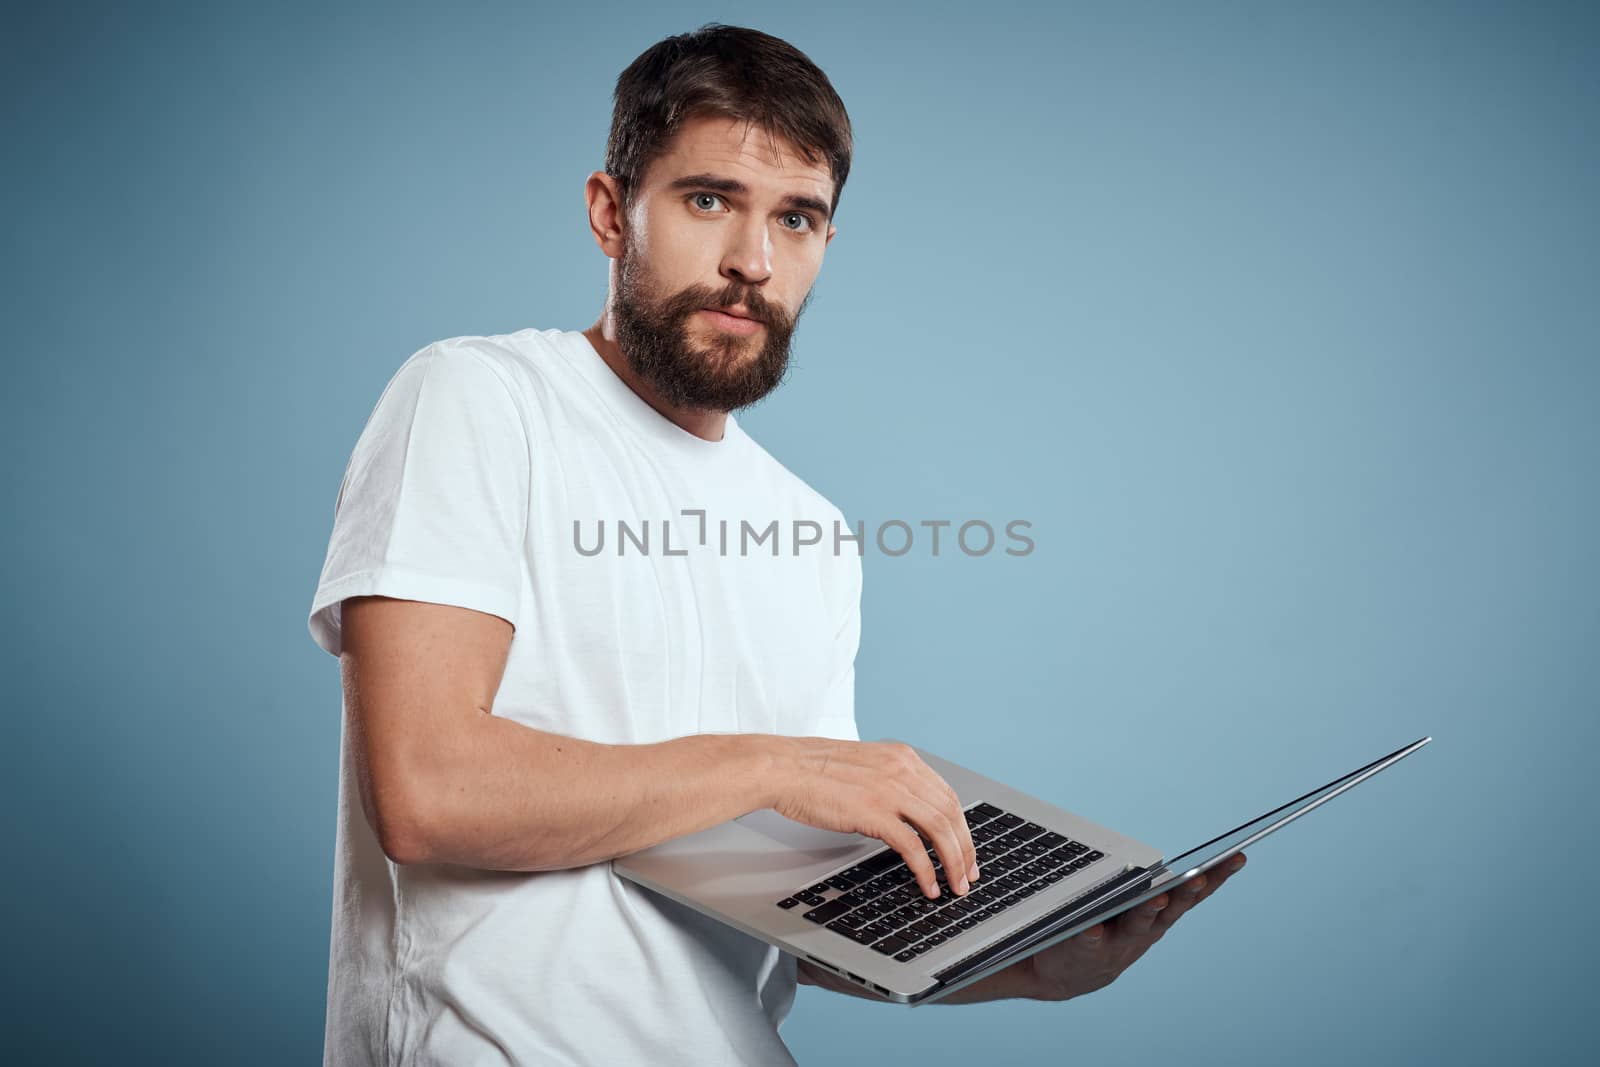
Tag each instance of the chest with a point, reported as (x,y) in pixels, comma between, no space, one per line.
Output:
(655,607)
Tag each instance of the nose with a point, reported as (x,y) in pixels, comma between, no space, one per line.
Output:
(748,257)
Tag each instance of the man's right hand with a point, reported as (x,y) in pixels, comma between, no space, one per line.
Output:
(877,788)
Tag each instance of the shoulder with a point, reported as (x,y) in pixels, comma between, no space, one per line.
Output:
(522,362)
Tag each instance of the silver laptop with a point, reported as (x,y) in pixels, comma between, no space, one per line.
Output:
(849,904)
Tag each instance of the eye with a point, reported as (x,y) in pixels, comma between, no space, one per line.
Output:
(810,223)
(697,197)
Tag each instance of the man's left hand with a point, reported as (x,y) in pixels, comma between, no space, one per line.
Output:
(1094,958)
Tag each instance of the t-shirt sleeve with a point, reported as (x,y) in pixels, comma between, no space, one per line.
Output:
(838,715)
(434,501)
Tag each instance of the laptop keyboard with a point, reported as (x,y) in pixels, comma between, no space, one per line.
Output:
(878,902)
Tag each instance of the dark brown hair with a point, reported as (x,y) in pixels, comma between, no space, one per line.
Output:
(732,72)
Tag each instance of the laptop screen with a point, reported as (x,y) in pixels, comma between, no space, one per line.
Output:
(1131,890)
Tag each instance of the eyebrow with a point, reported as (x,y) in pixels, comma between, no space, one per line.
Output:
(718,184)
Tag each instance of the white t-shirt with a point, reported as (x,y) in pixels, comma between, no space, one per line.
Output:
(464,488)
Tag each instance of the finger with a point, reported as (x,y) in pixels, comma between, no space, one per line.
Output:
(904,840)
(961,858)
(1221,874)
(1184,897)
(965,846)
(969,847)
(936,827)
(903,768)
(954,842)
(1202,886)
(1232,867)
(933,808)
(1138,921)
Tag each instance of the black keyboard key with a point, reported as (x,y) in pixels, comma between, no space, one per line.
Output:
(829,911)
(881,862)
(969,922)
(1008,821)
(1095,855)
(840,882)
(863,936)
(810,898)
(937,939)
(788,902)
(986,811)
(923,928)
(890,945)
(906,955)
(1030,830)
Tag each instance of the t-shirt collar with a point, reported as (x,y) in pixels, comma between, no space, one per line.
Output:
(633,408)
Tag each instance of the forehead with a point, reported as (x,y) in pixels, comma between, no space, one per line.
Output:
(736,148)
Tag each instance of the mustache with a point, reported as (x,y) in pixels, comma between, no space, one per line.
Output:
(756,306)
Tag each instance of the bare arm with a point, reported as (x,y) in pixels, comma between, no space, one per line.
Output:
(444,781)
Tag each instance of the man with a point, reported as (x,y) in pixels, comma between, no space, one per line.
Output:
(521,705)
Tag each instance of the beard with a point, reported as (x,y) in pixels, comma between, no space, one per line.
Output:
(730,372)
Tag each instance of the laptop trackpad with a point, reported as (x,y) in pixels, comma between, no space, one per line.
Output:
(798,835)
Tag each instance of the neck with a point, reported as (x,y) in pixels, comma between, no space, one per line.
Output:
(708,425)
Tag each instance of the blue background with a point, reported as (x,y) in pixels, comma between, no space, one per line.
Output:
(1279,323)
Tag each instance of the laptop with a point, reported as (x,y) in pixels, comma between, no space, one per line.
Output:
(849,904)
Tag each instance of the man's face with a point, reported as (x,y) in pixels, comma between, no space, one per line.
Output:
(694,241)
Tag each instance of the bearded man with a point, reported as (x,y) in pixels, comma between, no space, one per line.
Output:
(520,708)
